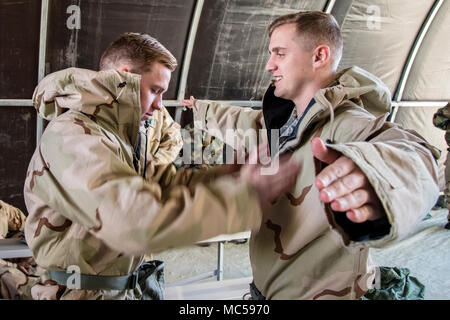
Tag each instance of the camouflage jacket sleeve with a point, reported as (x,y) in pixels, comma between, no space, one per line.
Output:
(441,118)
(85,178)
(164,140)
(169,177)
(400,165)
(11,219)
(239,127)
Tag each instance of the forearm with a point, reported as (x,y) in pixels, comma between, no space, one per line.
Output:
(402,172)
(183,216)
(239,127)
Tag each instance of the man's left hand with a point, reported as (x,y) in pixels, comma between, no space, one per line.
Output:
(345,186)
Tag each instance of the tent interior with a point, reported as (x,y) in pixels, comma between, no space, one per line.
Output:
(222,49)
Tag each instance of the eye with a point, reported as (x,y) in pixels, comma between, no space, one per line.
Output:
(281,55)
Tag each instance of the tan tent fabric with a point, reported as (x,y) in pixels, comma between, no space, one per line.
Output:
(382,49)
(429,75)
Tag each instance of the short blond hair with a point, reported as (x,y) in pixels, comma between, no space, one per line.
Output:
(138,50)
(316,28)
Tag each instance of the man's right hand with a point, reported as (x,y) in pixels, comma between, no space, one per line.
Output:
(189,103)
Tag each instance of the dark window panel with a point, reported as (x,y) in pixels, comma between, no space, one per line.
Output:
(17,143)
(103,21)
(19,49)
(231,47)
(172,111)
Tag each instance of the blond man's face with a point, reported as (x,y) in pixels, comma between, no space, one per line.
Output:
(154,84)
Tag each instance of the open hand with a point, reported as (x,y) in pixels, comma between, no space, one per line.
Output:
(345,186)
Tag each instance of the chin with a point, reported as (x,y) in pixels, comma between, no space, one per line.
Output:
(278,93)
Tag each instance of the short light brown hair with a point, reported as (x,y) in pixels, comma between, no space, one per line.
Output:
(138,50)
(316,28)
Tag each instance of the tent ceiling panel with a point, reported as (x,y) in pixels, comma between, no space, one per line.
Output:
(378,35)
(19,49)
(103,21)
(231,47)
(429,76)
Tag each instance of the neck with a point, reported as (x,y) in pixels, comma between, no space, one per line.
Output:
(302,101)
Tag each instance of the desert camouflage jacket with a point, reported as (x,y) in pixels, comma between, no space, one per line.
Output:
(12,219)
(97,200)
(302,249)
(17,276)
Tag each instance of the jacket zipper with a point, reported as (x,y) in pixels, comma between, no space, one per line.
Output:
(146,125)
(301,135)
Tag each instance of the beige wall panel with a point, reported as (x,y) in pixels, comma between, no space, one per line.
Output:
(430,75)
(381,45)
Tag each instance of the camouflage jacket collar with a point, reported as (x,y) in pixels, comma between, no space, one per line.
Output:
(110,98)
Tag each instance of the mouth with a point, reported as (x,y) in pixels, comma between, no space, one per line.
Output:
(276,79)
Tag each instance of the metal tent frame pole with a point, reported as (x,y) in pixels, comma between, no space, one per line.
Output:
(329,6)
(42,54)
(188,56)
(41,69)
(412,56)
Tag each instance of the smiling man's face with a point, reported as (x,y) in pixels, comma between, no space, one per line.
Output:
(290,64)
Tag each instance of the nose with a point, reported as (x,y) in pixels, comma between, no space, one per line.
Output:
(157,103)
(270,65)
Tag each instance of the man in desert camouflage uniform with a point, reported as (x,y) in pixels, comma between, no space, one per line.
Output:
(14,274)
(18,276)
(98,201)
(441,120)
(364,182)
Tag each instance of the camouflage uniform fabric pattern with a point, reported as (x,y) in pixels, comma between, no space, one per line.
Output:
(17,276)
(205,149)
(12,220)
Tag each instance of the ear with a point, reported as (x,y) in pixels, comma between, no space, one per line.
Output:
(124,67)
(322,55)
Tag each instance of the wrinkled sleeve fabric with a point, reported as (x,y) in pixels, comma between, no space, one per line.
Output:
(11,219)
(171,140)
(401,167)
(240,127)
